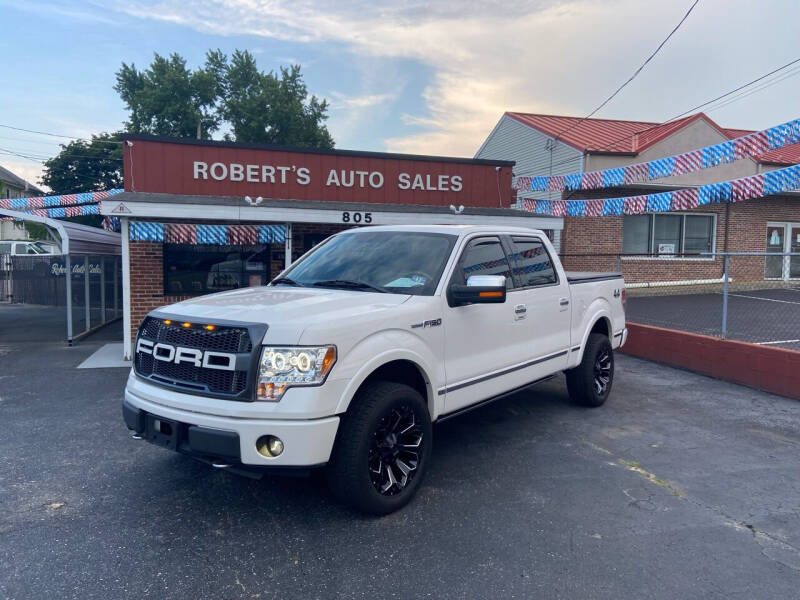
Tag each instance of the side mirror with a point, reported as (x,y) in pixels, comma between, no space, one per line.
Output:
(480,289)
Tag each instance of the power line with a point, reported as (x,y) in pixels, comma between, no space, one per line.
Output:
(733,91)
(636,73)
(27,157)
(44,157)
(698,107)
(759,88)
(58,135)
(7,151)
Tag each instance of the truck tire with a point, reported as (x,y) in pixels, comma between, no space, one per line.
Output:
(382,448)
(589,384)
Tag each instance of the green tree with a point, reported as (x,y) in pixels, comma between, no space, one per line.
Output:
(169,99)
(268,107)
(274,108)
(86,166)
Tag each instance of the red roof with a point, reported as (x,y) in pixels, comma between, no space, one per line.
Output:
(633,137)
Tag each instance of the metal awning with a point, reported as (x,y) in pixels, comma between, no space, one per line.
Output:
(73,238)
(87,253)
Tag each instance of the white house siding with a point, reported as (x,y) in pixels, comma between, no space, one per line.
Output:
(511,140)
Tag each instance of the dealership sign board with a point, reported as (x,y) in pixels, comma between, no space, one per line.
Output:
(192,167)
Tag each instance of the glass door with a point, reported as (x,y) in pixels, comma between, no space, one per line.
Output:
(776,240)
(794,246)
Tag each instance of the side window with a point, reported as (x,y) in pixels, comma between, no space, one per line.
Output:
(483,256)
(5,248)
(532,263)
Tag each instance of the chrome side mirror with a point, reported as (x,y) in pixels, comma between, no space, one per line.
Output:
(480,289)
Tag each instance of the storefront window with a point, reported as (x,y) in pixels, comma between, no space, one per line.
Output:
(636,233)
(201,269)
(668,234)
(699,233)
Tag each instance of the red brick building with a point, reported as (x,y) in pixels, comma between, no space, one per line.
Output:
(202,216)
(659,247)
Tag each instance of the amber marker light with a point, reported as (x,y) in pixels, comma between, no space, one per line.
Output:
(490,294)
(209,327)
(187,325)
(167,321)
(330,358)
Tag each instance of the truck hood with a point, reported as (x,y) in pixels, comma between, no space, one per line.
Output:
(287,310)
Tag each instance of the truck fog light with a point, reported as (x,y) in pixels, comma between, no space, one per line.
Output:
(269,446)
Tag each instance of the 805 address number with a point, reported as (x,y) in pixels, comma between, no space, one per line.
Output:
(356,217)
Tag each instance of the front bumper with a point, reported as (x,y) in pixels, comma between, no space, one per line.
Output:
(307,443)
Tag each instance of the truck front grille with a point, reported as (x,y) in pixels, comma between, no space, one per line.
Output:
(222,339)
(185,376)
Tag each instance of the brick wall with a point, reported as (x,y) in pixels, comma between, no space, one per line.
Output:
(147,269)
(762,367)
(592,243)
(147,281)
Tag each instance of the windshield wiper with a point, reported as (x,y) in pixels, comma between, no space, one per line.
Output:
(286,281)
(346,283)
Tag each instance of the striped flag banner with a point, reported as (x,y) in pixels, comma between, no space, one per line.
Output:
(736,190)
(145,231)
(746,146)
(25,204)
(182,233)
(111,224)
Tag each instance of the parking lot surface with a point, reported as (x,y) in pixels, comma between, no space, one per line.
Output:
(769,316)
(680,487)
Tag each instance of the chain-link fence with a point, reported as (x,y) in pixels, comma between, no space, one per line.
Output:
(747,296)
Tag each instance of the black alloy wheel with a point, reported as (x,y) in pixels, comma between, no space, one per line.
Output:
(395,451)
(589,383)
(602,371)
(382,449)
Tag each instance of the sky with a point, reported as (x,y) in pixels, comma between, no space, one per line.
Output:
(404,76)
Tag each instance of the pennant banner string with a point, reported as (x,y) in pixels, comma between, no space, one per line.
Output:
(180,233)
(751,145)
(27,204)
(735,190)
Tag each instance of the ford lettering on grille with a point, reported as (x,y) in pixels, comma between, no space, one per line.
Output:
(208,359)
(213,362)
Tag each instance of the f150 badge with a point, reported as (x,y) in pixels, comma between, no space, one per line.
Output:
(429,323)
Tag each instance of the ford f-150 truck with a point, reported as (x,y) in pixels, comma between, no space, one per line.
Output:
(350,355)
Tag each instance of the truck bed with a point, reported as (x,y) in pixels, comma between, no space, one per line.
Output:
(575,277)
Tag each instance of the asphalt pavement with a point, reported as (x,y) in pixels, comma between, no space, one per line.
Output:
(680,487)
(769,316)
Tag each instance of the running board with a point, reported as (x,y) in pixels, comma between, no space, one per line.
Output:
(466,409)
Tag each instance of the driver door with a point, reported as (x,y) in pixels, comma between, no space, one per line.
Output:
(482,341)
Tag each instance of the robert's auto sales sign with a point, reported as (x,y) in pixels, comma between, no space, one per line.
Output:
(191,167)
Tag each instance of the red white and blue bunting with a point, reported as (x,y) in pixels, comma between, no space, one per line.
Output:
(748,146)
(111,224)
(64,200)
(736,190)
(180,233)
(60,212)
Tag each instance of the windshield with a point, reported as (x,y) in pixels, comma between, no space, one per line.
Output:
(398,262)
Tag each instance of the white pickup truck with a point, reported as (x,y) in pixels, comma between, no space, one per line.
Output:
(350,355)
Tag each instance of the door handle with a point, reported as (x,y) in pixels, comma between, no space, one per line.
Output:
(520,310)
(563,302)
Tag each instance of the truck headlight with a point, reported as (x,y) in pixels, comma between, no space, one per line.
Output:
(281,368)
